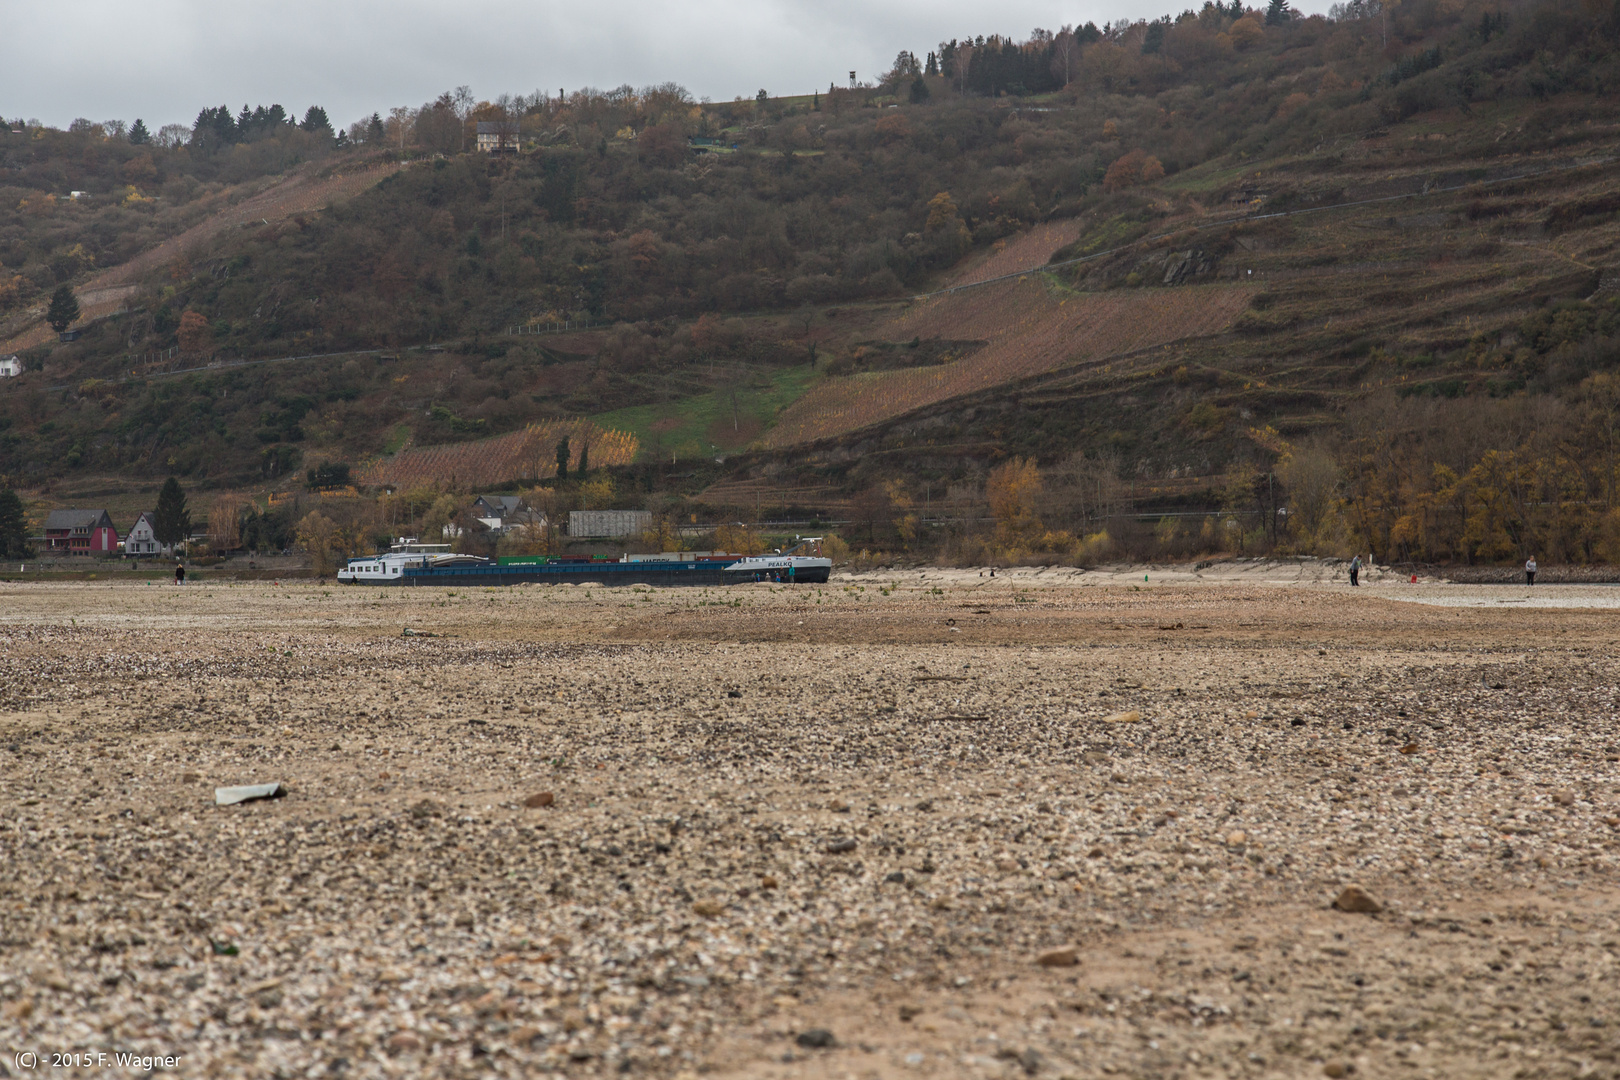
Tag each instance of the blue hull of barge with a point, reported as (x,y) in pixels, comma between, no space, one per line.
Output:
(635,573)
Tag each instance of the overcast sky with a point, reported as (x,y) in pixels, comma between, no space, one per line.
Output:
(163,60)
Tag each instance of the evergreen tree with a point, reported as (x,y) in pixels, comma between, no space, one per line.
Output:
(1153,38)
(138,135)
(1278,13)
(316,122)
(171,521)
(933,65)
(562,459)
(375,131)
(64,309)
(584,461)
(13,526)
(919,90)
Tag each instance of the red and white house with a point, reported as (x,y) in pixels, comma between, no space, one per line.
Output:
(80,532)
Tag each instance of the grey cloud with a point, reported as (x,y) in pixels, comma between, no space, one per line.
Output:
(165,59)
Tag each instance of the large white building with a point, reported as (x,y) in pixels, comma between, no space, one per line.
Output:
(10,367)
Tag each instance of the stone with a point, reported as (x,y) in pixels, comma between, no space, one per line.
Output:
(1006,865)
(402,1042)
(1336,1069)
(1564,798)
(1237,839)
(909,1013)
(708,908)
(1095,853)
(838,806)
(768,882)
(1410,748)
(842,845)
(1067,956)
(230,796)
(540,798)
(1129,717)
(1357,900)
(816,1039)
(896,878)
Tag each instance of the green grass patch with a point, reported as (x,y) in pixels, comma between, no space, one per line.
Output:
(722,420)
(397,437)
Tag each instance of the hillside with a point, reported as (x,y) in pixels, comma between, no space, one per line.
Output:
(1219,249)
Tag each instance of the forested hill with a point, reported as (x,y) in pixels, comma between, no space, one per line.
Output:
(752,243)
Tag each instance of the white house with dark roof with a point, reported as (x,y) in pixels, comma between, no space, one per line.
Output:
(10,367)
(142,538)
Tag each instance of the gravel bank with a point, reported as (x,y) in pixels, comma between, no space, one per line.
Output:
(806,833)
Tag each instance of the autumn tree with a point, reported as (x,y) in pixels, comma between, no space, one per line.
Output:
(738,539)
(1132,168)
(193,334)
(1013,490)
(225,523)
(317,534)
(64,309)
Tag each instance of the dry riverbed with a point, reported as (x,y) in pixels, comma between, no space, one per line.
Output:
(813,832)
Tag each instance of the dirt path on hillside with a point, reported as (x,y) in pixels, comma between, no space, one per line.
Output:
(107,292)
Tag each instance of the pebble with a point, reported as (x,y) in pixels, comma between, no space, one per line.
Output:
(1355,899)
(708,908)
(1564,798)
(842,845)
(1129,717)
(1335,1069)
(540,798)
(402,1042)
(1237,839)
(1068,956)
(816,1039)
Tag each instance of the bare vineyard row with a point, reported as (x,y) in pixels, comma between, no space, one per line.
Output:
(1029,330)
(530,454)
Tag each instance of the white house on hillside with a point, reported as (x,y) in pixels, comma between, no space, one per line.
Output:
(10,367)
(142,540)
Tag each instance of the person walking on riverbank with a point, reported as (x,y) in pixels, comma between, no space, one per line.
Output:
(179,573)
(1530,571)
(1355,570)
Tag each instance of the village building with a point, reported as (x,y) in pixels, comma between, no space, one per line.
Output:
(504,513)
(80,532)
(10,367)
(142,538)
(498,136)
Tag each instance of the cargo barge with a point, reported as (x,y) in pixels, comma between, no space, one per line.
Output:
(411,563)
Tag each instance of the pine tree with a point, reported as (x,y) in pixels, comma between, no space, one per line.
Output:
(13,526)
(64,309)
(1278,13)
(138,135)
(316,122)
(171,521)
(562,459)
(584,461)
(919,90)
(375,131)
